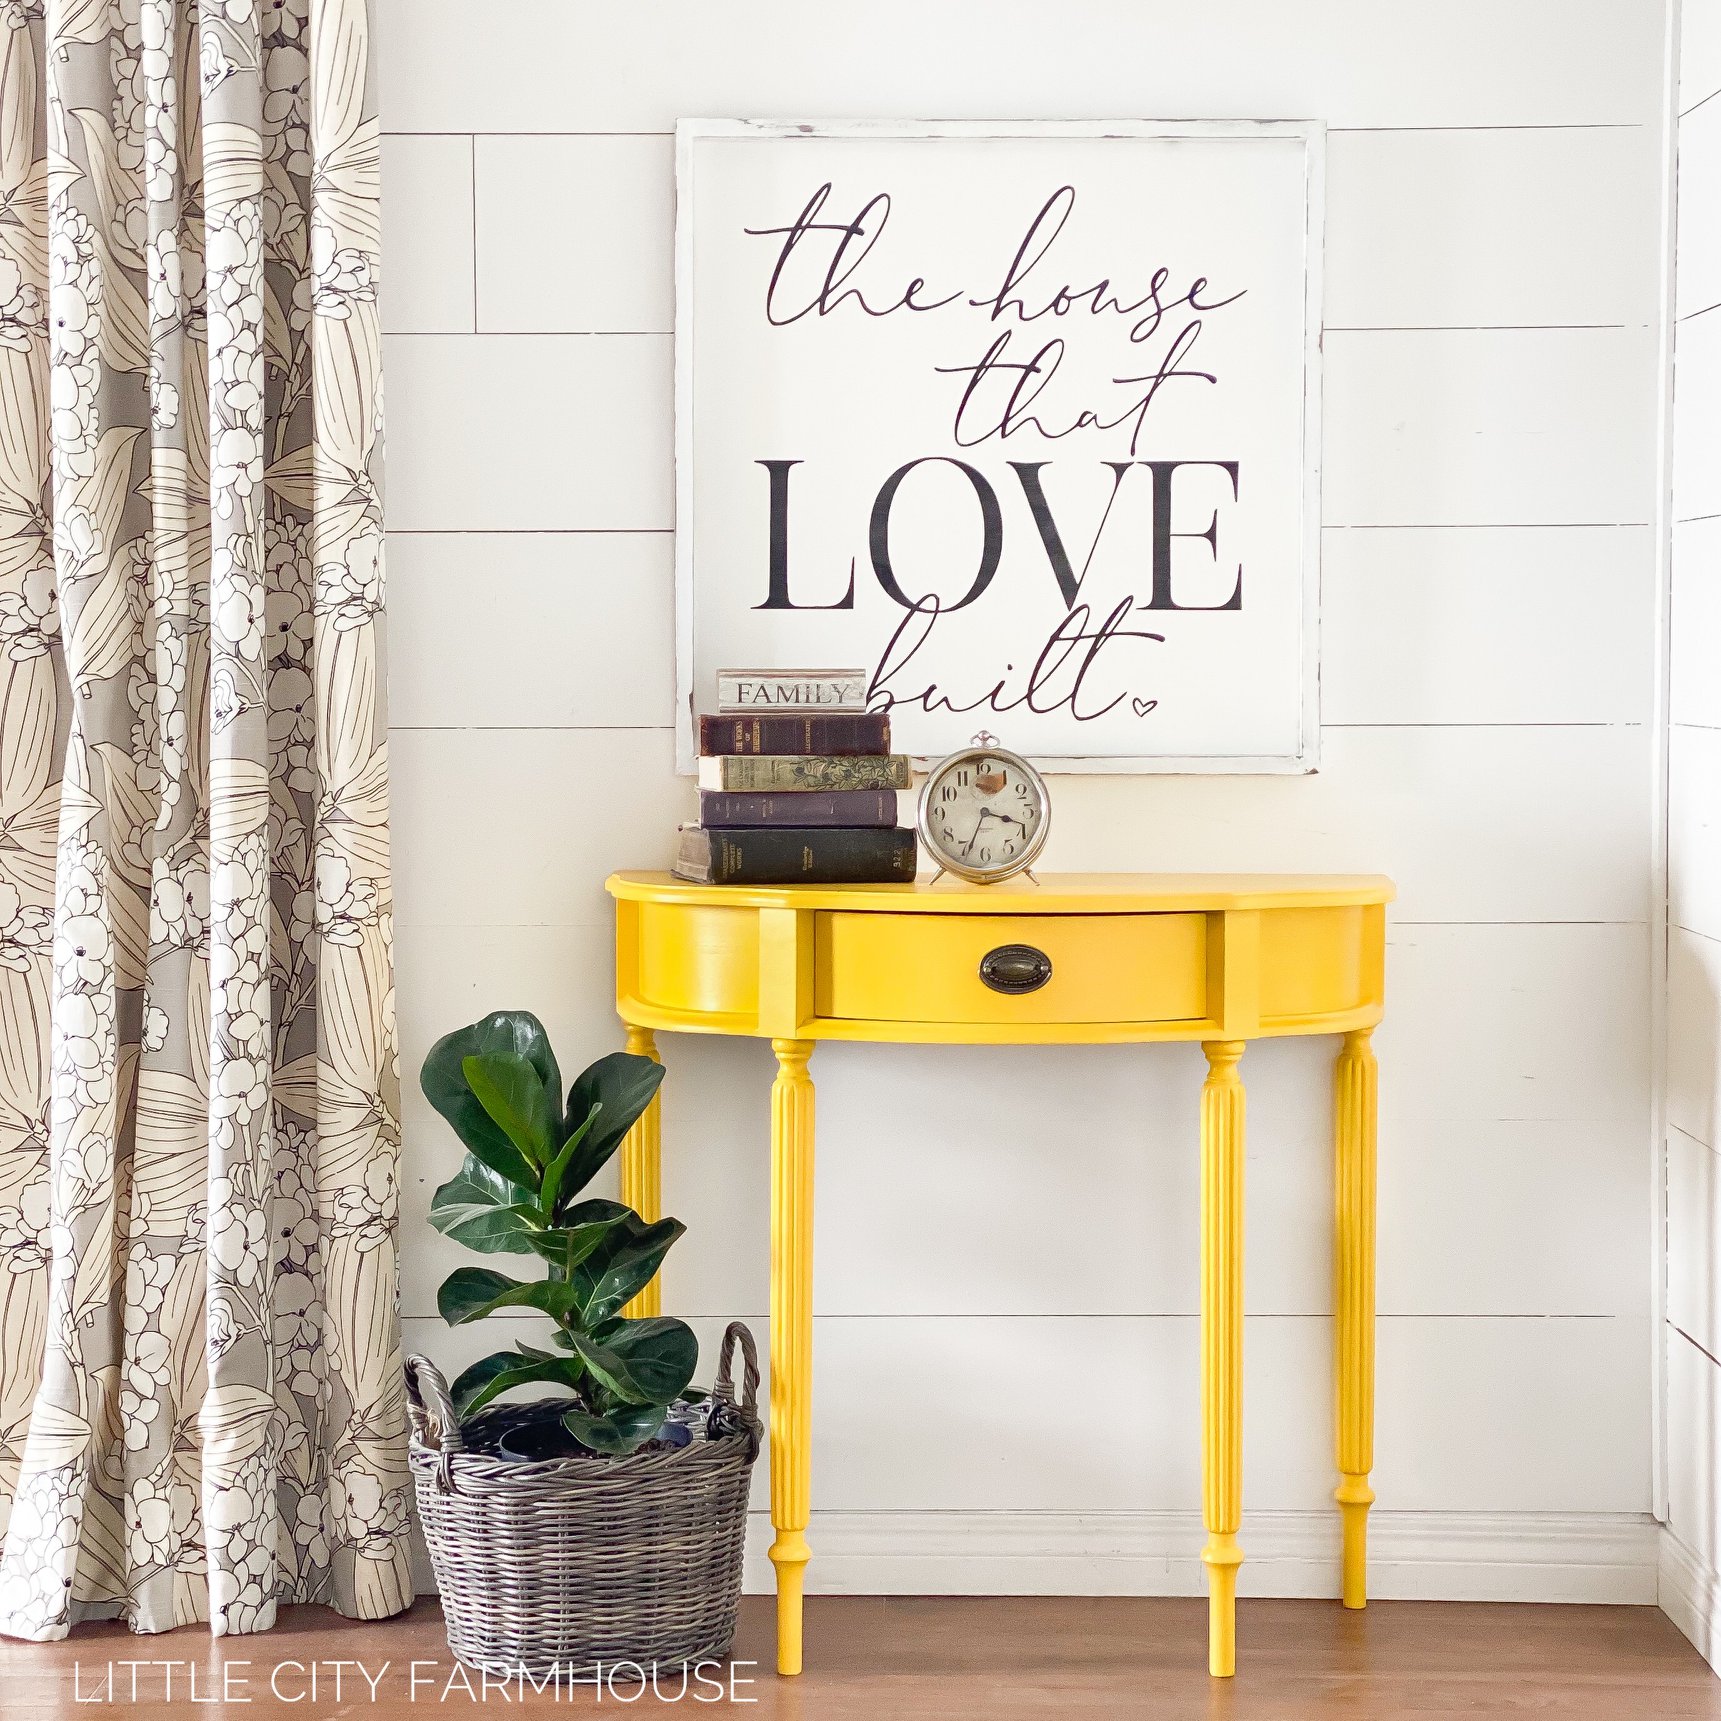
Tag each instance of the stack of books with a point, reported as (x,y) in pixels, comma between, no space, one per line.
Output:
(794,795)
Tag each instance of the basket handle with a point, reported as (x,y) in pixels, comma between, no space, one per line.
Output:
(734,1334)
(433,1417)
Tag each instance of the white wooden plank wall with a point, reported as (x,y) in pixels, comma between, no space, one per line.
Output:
(1489,610)
(1694,815)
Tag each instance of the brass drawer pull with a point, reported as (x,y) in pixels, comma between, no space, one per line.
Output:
(1015,968)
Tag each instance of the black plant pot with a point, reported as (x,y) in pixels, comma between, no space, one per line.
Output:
(533,1442)
(541,1434)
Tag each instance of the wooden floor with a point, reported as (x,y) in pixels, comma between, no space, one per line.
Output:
(904,1659)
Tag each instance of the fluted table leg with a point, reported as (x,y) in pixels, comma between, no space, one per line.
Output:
(791,1336)
(1222,1345)
(1354,1137)
(642,1169)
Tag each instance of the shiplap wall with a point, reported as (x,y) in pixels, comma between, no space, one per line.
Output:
(1693,1331)
(1006,1343)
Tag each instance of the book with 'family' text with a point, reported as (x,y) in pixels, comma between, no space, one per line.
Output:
(791,689)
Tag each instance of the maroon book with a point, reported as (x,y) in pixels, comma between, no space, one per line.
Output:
(832,733)
(854,808)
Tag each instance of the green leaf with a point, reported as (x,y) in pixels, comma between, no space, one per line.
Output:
(480,1374)
(623,1265)
(622,1431)
(444,1084)
(508,1088)
(558,1166)
(469,1292)
(557,1371)
(554,1297)
(488,1144)
(480,1183)
(623,1084)
(644,1362)
(501,1031)
(493,1230)
(590,1212)
(477,1207)
(566,1246)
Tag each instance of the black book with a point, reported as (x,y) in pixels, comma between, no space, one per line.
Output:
(790,855)
(853,807)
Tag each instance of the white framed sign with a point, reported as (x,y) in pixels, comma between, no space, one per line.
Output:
(1025,417)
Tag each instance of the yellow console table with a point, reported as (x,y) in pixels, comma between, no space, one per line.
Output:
(1077,959)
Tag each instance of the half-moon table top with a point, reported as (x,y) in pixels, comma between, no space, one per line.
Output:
(1054,893)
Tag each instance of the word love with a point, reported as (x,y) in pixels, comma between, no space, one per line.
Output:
(971,486)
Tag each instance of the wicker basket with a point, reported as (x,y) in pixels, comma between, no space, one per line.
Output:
(575,1562)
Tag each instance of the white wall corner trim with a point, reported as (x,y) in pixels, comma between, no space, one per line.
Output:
(1413,1556)
(1688,1589)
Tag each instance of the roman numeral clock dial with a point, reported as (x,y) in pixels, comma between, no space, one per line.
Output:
(984,814)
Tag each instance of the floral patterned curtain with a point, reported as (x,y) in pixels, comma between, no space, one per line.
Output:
(201,1407)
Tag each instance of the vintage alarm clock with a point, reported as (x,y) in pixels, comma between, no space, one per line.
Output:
(984,813)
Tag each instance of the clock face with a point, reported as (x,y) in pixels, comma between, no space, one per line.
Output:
(983,814)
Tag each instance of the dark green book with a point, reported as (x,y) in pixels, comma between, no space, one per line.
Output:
(773,774)
(779,855)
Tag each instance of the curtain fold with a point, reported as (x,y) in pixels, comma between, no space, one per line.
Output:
(201,1408)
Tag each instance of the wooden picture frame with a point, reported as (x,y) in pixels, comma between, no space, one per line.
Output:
(725,389)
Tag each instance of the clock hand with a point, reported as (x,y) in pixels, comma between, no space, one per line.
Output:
(973,836)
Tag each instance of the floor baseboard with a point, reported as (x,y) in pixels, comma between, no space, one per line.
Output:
(1422,1556)
(1689,1590)
(1414,1556)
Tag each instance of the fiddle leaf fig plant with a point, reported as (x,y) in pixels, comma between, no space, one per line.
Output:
(529,1156)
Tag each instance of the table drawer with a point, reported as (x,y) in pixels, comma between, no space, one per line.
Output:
(1072,968)
(701,959)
